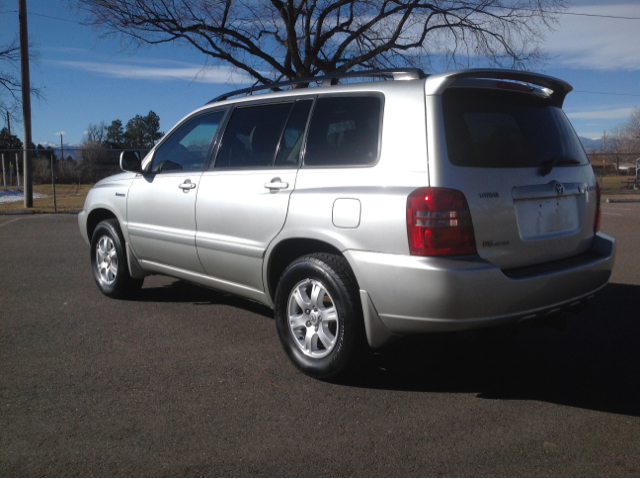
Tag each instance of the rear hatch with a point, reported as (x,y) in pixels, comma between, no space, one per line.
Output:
(513,153)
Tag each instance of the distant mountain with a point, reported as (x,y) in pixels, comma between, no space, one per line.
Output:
(69,148)
(592,146)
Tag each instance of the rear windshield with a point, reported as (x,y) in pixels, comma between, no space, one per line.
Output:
(503,129)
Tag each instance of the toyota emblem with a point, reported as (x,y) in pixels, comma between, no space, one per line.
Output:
(559,189)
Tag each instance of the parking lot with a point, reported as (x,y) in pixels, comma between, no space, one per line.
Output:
(188,381)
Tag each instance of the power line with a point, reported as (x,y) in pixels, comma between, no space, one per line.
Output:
(568,13)
(47,16)
(56,18)
(604,93)
(600,16)
(586,14)
(509,8)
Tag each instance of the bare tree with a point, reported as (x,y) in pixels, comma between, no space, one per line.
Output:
(270,40)
(619,145)
(95,135)
(10,85)
(632,127)
(10,82)
(93,152)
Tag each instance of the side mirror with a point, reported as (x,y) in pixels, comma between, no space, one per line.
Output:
(130,161)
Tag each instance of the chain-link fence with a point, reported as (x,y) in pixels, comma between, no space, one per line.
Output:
(617,172)
(61,178)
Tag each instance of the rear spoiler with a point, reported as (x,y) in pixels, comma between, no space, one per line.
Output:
(437,84)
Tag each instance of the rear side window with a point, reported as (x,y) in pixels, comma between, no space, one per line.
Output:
(344,131)
(252,136)
(501,129)
(291,143)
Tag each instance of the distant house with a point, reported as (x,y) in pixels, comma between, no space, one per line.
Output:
(627,169)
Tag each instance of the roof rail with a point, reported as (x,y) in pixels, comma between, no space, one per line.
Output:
(436,84)
(388,73)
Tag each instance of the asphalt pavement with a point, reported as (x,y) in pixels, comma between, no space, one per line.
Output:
(184,381)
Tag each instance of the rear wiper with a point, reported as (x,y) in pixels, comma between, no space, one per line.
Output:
(547,166)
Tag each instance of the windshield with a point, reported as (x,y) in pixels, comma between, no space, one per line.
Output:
(504,129)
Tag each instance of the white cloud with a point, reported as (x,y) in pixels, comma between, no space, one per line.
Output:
(614,114)
(168,70)
(60,133)
(596,42)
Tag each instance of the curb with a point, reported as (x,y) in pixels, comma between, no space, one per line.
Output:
(621,200)
(19,212)
(32,212)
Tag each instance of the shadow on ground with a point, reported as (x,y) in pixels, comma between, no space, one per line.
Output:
(594,363)
(184,292)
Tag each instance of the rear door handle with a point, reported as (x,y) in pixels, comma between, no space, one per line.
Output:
(187,185)
(276,184)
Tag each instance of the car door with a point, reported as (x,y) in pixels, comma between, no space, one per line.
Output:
(161,202)
(243,198)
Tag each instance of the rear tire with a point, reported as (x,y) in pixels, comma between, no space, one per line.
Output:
(109,262)
(319,317)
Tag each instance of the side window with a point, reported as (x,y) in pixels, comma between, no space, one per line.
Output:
(344,131)
(186,149)
(291,143)
(252,136)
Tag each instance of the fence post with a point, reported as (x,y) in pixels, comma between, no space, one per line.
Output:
(53,182)
(4,174)
(17,170)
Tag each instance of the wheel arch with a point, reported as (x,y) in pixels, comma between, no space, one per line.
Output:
(287,250)
(96,216)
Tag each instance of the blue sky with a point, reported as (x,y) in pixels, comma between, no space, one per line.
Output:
(86,78)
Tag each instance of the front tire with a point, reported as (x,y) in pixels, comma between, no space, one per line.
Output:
(319,317)
(109,262)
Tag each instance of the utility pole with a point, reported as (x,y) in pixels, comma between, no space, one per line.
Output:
(604,156)
(9,129)
(61,147)
(26,104)
(9,154)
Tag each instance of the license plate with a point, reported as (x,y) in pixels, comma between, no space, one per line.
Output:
(547,217)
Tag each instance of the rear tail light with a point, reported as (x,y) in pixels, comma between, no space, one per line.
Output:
(596,221)
(439,223)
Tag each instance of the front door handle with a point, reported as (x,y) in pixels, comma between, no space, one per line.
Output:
(276,184)
(186,186)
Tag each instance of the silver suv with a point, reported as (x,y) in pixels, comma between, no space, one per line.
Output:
(362,212)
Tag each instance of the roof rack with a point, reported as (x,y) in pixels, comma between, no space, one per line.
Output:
(327,80)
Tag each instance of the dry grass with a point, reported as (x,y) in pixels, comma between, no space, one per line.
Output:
(614,182)
(68,197)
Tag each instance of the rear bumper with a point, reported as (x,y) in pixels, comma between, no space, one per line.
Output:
(419,294)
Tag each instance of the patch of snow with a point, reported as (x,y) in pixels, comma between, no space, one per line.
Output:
(11,196)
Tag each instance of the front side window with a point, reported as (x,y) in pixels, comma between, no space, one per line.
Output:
(344,131)
(252,136)
(186,149)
